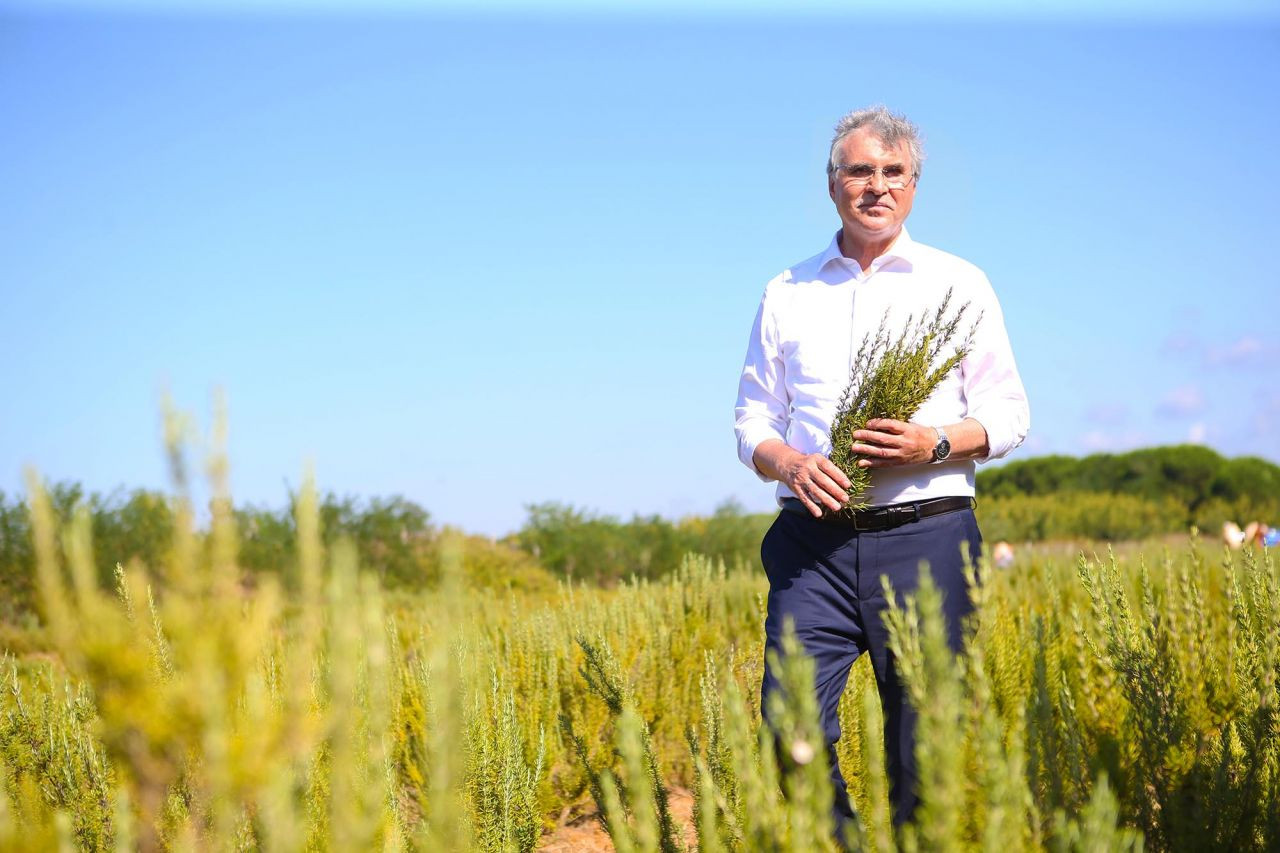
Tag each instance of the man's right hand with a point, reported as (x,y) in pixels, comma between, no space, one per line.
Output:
(811,477)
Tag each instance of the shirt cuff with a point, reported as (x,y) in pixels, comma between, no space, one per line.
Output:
(1005,431)
(748,441)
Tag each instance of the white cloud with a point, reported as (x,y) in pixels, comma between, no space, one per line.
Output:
(1034,444)
(1247,351)
(1180,341)
(1196,434)
(1102,441)
(1183,401)
(1266,418)
(1107,414)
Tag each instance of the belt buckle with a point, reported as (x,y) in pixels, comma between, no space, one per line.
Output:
(900,514)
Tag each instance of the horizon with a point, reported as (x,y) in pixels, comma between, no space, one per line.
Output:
(591,513)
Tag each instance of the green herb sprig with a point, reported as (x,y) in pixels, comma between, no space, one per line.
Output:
(891,378)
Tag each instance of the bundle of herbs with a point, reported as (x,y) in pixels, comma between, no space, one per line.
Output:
(891,378)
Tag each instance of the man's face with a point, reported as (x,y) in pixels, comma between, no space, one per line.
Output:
(871,212)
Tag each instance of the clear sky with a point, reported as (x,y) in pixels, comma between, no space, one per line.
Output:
(493,257)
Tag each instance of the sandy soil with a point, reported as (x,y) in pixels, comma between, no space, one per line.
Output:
(584,833)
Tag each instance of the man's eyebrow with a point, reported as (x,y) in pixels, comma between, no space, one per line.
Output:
(872,166)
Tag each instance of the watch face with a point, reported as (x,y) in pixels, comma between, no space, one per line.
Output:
(943,450)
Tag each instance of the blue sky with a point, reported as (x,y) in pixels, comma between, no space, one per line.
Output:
(489,257)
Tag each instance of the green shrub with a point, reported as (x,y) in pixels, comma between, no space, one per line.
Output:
(1190,475)
(577,544)
(1108,704)
(1079,516)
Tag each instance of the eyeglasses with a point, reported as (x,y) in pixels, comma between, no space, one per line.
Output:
(896,176)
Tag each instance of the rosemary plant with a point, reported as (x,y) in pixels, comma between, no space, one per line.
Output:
(891,378)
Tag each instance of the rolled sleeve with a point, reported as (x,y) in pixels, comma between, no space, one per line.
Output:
(993,389)
(762,408)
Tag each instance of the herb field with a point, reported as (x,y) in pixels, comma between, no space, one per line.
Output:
(1122,701)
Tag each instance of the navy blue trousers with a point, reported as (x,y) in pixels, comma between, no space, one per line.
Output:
(826,577)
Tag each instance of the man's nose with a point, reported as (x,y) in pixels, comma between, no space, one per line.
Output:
(878,183)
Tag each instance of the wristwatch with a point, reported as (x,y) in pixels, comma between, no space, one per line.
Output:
(942,449)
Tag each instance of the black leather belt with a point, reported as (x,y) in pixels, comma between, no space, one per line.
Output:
(884,517)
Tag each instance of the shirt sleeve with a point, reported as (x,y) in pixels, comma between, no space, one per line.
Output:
(993,389)
(763,407)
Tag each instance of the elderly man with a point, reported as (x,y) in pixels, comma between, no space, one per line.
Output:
(825,570)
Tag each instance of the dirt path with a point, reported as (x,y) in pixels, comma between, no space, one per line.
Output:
(584,833)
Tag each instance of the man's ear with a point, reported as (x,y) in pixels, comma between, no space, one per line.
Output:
(831,187)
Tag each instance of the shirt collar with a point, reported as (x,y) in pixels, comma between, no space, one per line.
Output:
(903,249)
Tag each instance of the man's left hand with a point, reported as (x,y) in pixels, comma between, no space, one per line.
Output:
(886,442)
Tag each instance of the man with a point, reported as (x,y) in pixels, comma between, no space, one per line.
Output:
(825,571)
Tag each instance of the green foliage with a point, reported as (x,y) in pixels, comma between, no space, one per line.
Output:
(1135,495)
(891,378)
(1101,704)
(136,525)
(643,798)
(1080,516)
(1189,484)
(216,716)
(502,781)
(17,560)
(1096,828)
(1197,668)
(601,549)
(1087,705)
(794,722)
(44,736)
(762,787)
(393,538)
(934,681)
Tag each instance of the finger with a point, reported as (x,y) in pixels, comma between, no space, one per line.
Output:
(819,480)
(818,495)
(874,450)
(886,438)
(833,471)
(813,508)
(882,461)
(890,425)
(887,425)
(895,438)
(830,489)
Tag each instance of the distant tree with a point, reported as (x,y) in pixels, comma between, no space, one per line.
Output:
(392,535)
(576,543)
(729,534)
(128,526)
(1246,477)
(1197,479)
(1040,475)
(17,560)
(268,539)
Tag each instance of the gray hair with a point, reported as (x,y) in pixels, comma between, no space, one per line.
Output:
(890,128)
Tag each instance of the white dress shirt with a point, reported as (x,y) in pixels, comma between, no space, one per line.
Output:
(813,318)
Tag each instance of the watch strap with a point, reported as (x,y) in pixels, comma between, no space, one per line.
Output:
(943,441)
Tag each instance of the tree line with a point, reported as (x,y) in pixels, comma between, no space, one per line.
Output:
(1103,496)
(394,537)
(1191,474)
(1140,493)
